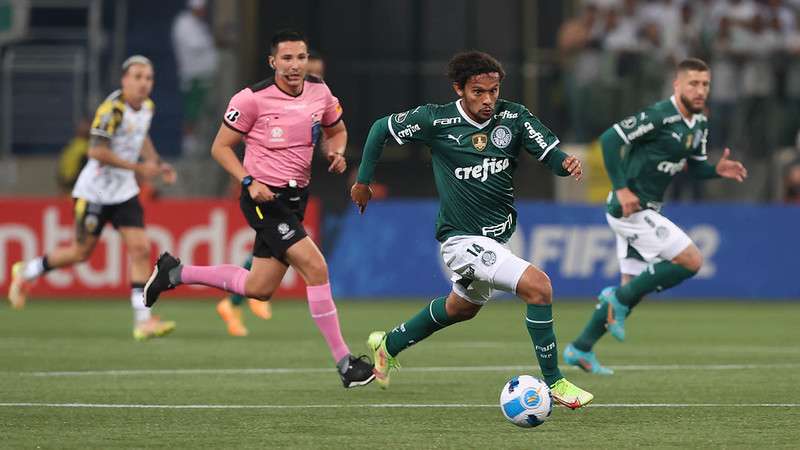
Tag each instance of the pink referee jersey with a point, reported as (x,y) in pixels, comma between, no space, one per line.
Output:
(281,130)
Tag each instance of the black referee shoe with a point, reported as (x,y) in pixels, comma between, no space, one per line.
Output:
(357,371)
(159,279)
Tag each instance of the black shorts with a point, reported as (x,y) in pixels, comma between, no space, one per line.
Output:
(279,223)
(90,218)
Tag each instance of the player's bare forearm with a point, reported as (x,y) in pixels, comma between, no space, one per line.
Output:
(105,156)
(222,152)
(149,152)
(335,144)
(336,138)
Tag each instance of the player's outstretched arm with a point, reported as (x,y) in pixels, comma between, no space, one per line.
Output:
(725,168)
(361,193)
(728,168)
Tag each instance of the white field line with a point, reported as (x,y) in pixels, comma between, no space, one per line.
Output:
(384,405)
(311,370)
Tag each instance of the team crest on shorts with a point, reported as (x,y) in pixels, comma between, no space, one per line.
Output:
(479,141)
(285,231)
(501,136)
(662,232)
(488,258)
(90,223)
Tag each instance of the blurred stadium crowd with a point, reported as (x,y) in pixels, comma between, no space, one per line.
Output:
(615,53)
(607,57)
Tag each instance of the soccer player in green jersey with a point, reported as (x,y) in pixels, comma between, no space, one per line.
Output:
(642,154)
(475,144)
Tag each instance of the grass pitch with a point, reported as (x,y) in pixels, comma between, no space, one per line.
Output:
(692,374)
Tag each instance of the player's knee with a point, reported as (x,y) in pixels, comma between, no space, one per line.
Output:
(459,311)
(316,272)
(694,263)
(463,314)
(535,288)
(691,260)
(264,294)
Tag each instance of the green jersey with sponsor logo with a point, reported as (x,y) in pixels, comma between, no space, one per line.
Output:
(473,163)
(646,150)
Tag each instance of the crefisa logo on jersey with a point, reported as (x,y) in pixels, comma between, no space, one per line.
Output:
(479,141)
(501,136)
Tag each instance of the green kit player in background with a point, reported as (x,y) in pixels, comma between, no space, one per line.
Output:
(475,143)
(642,154)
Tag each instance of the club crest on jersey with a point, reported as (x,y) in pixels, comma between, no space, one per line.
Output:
(479,141)
(628,122)
(501,136)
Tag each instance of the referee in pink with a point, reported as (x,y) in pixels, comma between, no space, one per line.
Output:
(280,120)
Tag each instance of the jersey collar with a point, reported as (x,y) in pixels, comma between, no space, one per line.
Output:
(689,123)
(477,125)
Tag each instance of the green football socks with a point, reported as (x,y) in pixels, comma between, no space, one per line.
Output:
(429,320)
(539,321)
(596,327)
(656,277)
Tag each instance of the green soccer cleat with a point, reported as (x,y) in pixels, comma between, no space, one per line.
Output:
(570,395)
(617,312)
(585,360)
(383,361)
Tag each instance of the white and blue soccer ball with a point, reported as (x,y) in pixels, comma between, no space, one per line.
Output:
(525,401)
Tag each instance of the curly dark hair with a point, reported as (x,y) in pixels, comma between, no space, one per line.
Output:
(467,64)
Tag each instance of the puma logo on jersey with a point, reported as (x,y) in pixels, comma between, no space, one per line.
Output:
(481,172)
(671,167)
(677,136)
(457,139)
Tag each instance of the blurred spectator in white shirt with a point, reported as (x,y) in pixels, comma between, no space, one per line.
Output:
(197,59)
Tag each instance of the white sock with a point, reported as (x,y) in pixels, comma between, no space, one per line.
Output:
(33,268)
(140,312)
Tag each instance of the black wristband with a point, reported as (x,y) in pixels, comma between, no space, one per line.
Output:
(247,181)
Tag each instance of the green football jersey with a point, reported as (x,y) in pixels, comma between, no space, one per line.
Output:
(474,163)
(658,140)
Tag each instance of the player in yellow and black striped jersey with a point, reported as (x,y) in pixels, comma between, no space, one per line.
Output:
(107,191)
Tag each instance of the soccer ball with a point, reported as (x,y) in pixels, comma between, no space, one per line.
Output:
(525,401)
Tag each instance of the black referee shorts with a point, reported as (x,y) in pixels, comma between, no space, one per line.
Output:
(279,223)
